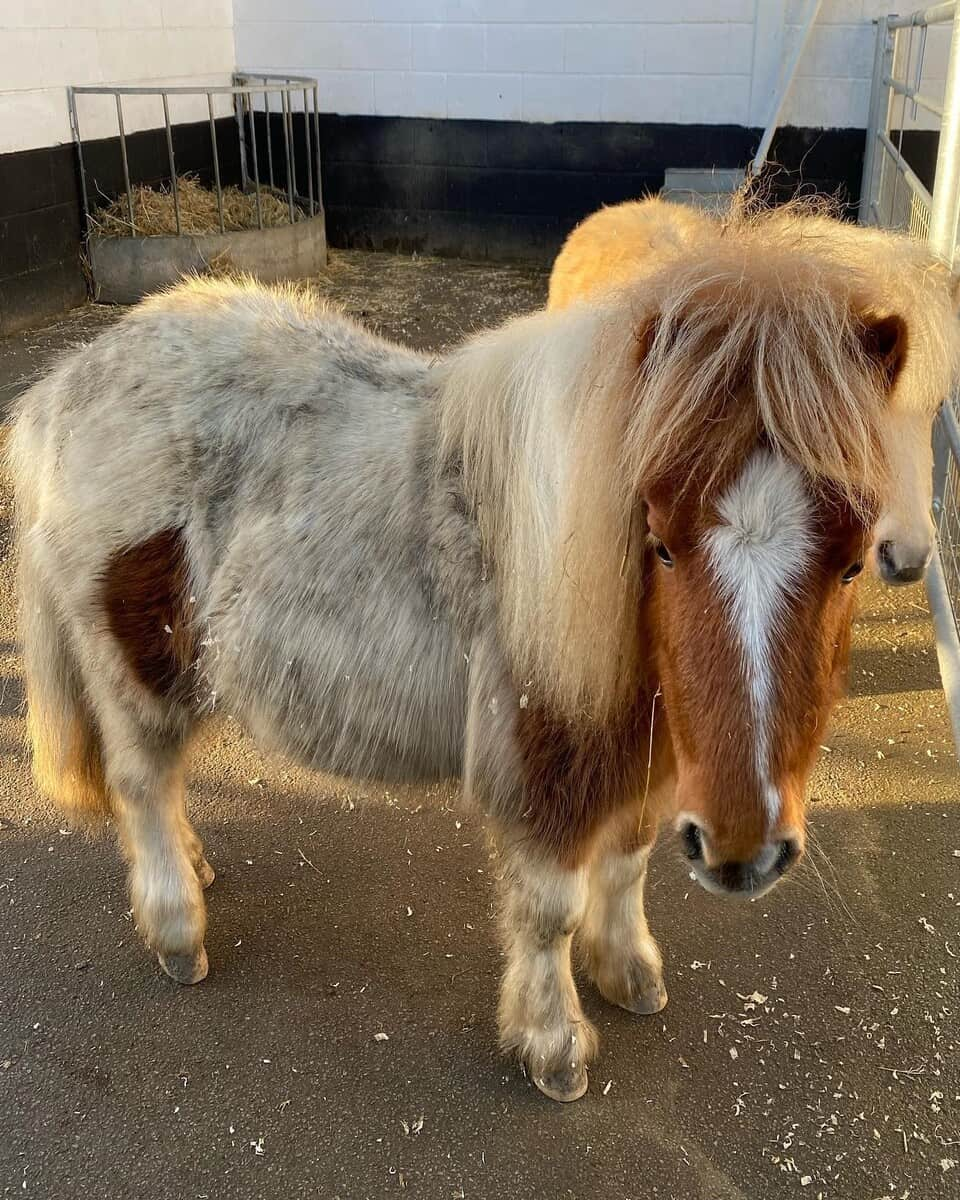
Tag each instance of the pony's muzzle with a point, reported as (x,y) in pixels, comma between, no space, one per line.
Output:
(736,877)
(900,562)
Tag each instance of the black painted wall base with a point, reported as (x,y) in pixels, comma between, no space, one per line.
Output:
(41,270)
(471,189)
(511,190)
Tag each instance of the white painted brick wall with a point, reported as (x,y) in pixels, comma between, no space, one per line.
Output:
(695,61)
(47,44)
(709,61)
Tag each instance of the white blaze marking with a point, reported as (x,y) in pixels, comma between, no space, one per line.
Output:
(758,554)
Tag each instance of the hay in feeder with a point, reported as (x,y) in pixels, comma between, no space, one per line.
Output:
(154,214)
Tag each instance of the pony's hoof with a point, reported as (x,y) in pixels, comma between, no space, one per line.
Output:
(639,989)
(205,873)
(186,968)
(647,1001)
(564,1085)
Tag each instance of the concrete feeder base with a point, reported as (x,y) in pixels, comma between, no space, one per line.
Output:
(127,268)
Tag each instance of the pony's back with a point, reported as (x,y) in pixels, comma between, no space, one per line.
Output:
(615,245)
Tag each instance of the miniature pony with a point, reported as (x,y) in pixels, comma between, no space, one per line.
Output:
(600,563)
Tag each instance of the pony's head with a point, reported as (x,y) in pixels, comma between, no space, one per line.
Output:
(748,609)
(676,490)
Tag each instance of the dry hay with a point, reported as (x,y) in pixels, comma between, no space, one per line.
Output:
(154,214)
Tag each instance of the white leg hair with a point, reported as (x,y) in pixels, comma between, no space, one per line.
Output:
(167,867)
(620,954)
(540,1014)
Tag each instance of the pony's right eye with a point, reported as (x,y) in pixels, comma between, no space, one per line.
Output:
(664,555)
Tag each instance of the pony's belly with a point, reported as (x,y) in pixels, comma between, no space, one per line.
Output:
(390,717)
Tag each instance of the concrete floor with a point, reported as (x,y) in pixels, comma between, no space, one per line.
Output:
(810,1046)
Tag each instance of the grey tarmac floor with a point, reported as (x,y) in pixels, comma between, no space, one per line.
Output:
(810,1046)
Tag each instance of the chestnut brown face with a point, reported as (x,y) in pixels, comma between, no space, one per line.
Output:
(751,603)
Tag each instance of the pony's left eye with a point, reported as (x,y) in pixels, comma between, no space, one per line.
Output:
(664,554)
(851,572)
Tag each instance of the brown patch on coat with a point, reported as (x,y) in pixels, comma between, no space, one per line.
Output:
(575,778)
(580,776)
(146,591)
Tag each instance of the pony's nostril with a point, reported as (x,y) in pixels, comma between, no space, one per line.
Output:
(908,572)
(692,841)
(788,854)
(885,558)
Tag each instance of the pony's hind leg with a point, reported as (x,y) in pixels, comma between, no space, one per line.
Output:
(144,766)
(618,950)
(540,1014)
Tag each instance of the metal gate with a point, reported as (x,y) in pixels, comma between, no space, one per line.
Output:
(911,182)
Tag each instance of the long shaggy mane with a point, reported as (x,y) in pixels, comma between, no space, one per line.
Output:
(765,330)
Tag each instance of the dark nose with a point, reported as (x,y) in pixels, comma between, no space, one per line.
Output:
(891,573)
(692,842)
(733,875)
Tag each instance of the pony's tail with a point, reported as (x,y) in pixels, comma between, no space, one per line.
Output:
(67,750)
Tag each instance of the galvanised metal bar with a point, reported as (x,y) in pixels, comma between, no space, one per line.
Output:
(903,168)
(919,100)
(951,429)
(173,165)
(306,134)
(286,145)
(253,150)
(292,152)
(241,140)
(213,90)
(903,115)
(948,642)
(316,133)
(882,52)
(946,189)
(75,129)
(216,161)
(126,167)
(266,110)
(787,71)
(937,15)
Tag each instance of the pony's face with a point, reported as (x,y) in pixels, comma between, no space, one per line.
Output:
(751,601)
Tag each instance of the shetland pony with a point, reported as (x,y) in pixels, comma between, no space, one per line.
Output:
(627,241)
(600,563)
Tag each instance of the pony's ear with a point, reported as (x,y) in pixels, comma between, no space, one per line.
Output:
(644,333)
(884,343)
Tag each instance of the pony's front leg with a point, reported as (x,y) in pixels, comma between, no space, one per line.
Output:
(618,950)
(541,1019)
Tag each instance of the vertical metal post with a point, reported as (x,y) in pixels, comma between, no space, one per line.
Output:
(253,149)
(241,141)
(306,138)
(898,173)
(881,66)
(126,168)
(266,113)
(173,165)
(75,128)
(946,188)
(292,174)
(316,133)
(285,105)
(216,161)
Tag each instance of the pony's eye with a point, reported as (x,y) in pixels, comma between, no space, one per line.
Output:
(851,572)
(664,554)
